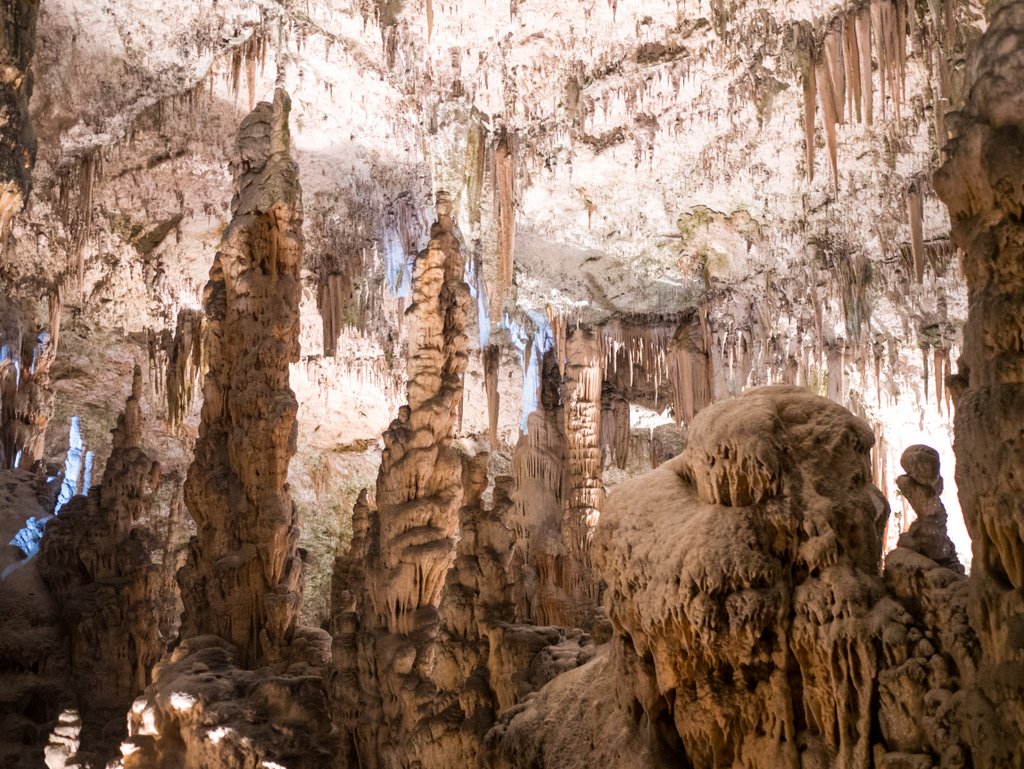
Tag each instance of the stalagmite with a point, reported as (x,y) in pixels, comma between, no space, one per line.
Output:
(17,141)
(242,580)
(584,373)
(116,601)
(980,183)
(388,654)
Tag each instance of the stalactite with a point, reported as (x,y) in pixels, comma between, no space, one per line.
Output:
(557,322)
(690,369)
(615,425)
(810,97)
(827,99)
(915,213)
(476,153)
(184,365)
(863,24)
(851,62)
(491,359)
(505,209)
(835,66)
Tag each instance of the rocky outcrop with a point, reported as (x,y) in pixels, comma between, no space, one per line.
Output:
(17,141)
(980,183)
(204,709)
(242,579)
(101,559)
(751,625)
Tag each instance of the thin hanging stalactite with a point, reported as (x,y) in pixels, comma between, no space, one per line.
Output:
(505,209)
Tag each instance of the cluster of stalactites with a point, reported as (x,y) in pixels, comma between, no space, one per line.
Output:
(838,73)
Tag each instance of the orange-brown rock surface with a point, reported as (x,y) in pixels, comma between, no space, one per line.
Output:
(981,185)
(242,580)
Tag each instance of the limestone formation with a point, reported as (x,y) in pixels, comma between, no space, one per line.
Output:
(385,654)
(540,470)
(980,183)
(751,626)
(17,141)
(100,557)
(584,373)
(204,709)
(242,580)
(26,394)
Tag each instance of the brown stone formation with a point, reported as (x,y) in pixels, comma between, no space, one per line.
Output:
(116,600)
(26,396)
(751,626)
(205,710)
(184,365)
(386,647)
(584,373)
(242,579)
(17,141)
(981,184)
(540,471)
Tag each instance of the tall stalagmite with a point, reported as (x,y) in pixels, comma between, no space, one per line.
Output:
(242,579)
(17,142)
(981,184)
(584,373)
(389,619)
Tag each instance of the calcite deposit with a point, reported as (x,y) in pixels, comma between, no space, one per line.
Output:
(981,184)
(242,581)
(17,140)
(648,371)
(111,573)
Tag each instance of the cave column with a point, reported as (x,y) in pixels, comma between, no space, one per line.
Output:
(981,183)
(584,374)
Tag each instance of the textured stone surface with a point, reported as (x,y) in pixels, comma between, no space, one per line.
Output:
(981,184)
(242,580)
(17,141)
(112,575)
